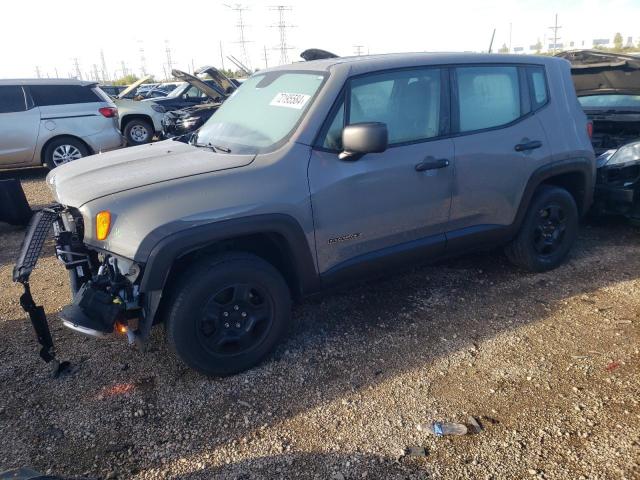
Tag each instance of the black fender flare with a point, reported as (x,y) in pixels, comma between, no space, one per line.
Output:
(163,246)
(546,172)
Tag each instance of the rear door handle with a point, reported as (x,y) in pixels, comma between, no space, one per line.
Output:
(532,145)
(431,163)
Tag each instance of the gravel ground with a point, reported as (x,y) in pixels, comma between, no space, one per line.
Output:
(548,363)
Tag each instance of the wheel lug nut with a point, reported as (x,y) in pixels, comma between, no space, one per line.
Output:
(225,314)
(237,325)
(226,325)
(236,307)
(244,314)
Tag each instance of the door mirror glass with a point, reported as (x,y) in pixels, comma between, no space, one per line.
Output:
(359,139)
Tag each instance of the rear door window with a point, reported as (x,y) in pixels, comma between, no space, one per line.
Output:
(44,95)
(12,99)
(488,96)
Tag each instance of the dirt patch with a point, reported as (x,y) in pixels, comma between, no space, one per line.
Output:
(548,362)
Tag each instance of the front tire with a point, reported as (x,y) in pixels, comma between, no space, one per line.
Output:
(228,313)
(138,132)
(548,231)
(64,150)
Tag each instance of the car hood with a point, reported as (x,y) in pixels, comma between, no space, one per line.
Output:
(196,82)
(596,72)
(133,86)
(81,181)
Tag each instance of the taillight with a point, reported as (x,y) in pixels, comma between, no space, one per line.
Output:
(590,129)
(108,112)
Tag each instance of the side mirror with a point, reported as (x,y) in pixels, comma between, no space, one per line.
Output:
(362,138)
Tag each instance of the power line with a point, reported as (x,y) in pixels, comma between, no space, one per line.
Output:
(282,27)
(555,29)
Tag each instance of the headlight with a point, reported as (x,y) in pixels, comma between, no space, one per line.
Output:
(158,108)
(626,154)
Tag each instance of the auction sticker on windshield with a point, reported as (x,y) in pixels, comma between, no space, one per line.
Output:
(290,100)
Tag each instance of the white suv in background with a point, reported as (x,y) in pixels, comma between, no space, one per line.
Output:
(52,122)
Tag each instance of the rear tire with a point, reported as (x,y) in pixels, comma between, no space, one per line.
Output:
(548,231)
(138,132)
(64,150)
(228,313)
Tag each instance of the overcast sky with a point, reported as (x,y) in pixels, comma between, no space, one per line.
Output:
(50,34)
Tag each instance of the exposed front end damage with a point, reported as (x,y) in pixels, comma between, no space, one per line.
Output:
(608,88)
(104,286)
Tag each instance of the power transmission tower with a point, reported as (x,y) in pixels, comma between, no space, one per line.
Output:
(77,67)
(96,76)
(169,61)
(358,49)
(105,73)
(240,9)
(124,68)
(143,60)
(38,72)
(221,55)
(555,29)
(282,28)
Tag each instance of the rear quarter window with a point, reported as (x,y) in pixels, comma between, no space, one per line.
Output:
(538,87)
(44,95)
(12,99)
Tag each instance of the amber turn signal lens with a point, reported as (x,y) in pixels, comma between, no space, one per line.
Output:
(103,224)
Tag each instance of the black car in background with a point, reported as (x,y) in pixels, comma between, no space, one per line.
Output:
(608,89)
(216,86)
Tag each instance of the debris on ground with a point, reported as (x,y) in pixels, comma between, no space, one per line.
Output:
(441,429)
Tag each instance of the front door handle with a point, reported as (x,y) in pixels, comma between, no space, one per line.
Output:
(532,145)
(431,163)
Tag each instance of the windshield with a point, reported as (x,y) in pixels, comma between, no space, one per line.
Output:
(610,101)
(262,112)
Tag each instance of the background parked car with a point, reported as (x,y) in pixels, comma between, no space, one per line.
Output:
(188,95)
(138,121)
(112,90)
(189,119)
(608,88)
(54,121)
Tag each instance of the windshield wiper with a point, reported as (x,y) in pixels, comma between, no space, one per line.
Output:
(221,148)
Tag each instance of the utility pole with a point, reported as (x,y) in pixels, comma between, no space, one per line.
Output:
(124,68)
(282,28)
(38,72)
(240,9)
(193,67)
(169,61)
(143,60)
(555,29)
(105,73)
(266,64)
(358,50)
(77,67)
(56,69)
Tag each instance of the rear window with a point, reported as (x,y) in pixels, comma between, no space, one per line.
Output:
(600,101)
(11,99)
(44,95)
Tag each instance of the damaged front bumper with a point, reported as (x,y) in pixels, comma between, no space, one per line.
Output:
(617,190)
(105,298)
